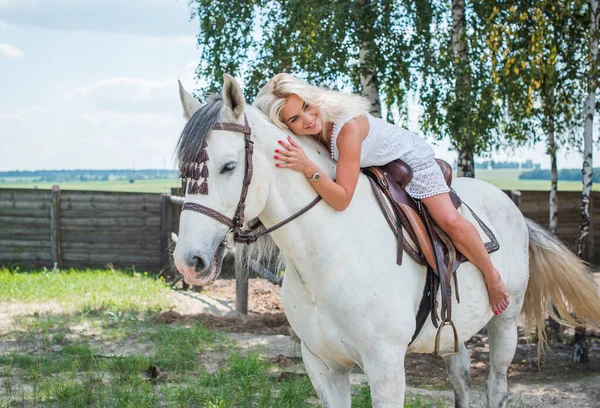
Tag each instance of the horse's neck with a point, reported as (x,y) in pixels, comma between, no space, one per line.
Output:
(303,240)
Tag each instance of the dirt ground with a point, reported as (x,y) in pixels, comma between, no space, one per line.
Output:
(266,317)
(556,383)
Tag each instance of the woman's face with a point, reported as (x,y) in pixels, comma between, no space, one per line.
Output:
(300,117)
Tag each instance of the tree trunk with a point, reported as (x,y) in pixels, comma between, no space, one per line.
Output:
(580,349)
(588,137)
(367,72)
(466,163)
(554,180)
(586,178)
(548,104)
(368,80)
(462,85)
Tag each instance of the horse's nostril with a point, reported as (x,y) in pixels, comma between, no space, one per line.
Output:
(199,263)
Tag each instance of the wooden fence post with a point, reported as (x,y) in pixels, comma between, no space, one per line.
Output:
(165,229)
(515,195)
(241,291)
(55,241)
(175,210)
(591,255)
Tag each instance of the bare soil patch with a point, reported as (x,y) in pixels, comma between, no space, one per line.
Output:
(10,310)
(266,317)
(269,323)
(263,296)
(558,383)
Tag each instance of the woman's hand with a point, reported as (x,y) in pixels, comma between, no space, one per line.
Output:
(291,156)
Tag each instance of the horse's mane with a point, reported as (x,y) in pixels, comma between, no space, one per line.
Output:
(197,129)
(188,149)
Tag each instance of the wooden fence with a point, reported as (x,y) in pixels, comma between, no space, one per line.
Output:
(535,205)
(89,229)
(84,229)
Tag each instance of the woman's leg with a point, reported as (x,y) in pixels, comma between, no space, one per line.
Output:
(466,238)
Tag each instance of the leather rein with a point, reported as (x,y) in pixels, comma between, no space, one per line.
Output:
(236,223)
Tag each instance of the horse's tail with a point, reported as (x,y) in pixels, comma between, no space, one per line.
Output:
(560,285)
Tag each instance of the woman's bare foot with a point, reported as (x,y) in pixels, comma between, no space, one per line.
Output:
(497,292)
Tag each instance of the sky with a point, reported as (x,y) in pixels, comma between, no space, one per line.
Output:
(93,85)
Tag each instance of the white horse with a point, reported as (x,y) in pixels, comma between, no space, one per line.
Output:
(343,293)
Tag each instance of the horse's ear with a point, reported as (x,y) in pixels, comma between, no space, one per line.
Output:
(189,103)
(233,96)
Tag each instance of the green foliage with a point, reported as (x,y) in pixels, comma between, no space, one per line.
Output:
(458,94)
(317,40)
(537,49)
(504,75)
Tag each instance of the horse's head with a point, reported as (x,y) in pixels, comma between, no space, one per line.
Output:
(213,167)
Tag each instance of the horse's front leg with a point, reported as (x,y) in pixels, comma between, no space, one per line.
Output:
(385,371)
(459,374)
(330,379)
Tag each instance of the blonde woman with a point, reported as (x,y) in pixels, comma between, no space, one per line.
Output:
(356,139)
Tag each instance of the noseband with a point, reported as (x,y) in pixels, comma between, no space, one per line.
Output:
(236,224)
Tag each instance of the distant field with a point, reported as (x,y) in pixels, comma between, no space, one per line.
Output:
(509,180)
(140,186)
(504,179)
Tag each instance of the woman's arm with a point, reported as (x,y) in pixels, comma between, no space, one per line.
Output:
(337,193)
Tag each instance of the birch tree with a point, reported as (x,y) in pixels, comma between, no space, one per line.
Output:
(360,44)
(456,89)
(580,350)
(537,47)
(588,131)
(462,85)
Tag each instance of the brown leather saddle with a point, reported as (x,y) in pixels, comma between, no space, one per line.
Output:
(428,245)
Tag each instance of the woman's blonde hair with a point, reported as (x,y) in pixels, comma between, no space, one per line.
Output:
(332,104)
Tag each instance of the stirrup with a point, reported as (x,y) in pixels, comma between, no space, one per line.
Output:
(436,350)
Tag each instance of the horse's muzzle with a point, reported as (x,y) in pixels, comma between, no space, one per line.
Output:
(198,270)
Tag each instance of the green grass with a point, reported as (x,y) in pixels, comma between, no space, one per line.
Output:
(509,180)
(505,179)
(85,290)
(96,352)
(140,186)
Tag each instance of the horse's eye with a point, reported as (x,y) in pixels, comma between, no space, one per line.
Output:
(228,167)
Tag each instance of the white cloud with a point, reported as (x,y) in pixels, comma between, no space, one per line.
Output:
(137,119)
(171,40)
(163,18)
(20,115)
(123,93)
(188,79)
(10,51)
(32,109)
(190,69)
(12,117)
(141,86)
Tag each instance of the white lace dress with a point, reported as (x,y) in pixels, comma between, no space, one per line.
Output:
(385,143)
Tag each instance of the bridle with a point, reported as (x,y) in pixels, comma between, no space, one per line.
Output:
(236,223)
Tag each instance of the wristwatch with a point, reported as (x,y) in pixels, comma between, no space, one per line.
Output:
(315,177)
